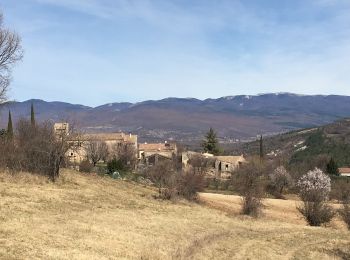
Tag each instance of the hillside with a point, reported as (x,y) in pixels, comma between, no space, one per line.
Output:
(90,217)
(306,145)
(187,119)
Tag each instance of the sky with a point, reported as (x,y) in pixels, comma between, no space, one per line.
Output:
(94,52)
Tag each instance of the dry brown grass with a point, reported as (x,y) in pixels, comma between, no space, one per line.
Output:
(89,217)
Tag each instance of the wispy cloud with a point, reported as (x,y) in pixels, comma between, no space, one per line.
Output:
(134,50)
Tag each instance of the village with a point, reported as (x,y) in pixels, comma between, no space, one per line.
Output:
(84,146)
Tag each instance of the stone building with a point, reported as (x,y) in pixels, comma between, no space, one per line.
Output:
(151,153)
(79,142)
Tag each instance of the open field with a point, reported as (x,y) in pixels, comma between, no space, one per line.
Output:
(90,217)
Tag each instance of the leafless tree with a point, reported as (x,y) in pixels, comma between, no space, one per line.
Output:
(249,182)
(201,164)
(164,177)
(103,151)
(10,53)
(35,149)
(126,154)
(93,151)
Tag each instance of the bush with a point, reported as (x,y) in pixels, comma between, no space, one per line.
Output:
(314,189)
(171,183)
(340,189)
(114,165)
(190,183)
(34,149)
(86,166)
(164,177)
(345,213)
(249,182)
(316,213)
(279,180)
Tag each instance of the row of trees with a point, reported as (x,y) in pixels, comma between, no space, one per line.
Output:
(32,148)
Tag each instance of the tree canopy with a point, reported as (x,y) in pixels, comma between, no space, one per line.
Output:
(210,143)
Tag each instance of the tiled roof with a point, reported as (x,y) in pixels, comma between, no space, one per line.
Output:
(344,170)
(110,137)
(157,147)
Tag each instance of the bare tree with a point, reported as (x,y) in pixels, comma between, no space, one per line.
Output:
(35,149)
(10,53)
(93,151)
(103,151)
(249,182)
(201,164)
(163,176)
(126,154)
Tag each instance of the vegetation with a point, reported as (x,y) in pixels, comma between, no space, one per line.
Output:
(332,168)
(32,115)
(86,166)
(9,127)
(280,179)
(10,53)
(249,182)
(345,213)
(88,216)
(210,143)
(114,165)
(261,148)
(315,188)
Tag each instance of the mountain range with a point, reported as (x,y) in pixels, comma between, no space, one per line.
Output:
(234,118)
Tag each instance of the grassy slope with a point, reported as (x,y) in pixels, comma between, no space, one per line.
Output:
(89,217)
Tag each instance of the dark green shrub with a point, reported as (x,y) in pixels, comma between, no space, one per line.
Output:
(114,165)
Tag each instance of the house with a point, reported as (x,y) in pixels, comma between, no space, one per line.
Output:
(227,164)
(345,172)
(77,151)
(186,156)
(61,129)
(151,153)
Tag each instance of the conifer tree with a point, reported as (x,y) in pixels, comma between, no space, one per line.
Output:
(32,115)
(261,148)
(210,143)
(332,167)
(10,127)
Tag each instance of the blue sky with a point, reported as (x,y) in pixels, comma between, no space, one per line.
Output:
(99,51)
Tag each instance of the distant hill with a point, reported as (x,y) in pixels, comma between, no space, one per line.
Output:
(307,147)
(187,119)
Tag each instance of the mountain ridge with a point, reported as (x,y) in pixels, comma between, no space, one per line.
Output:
(187,119)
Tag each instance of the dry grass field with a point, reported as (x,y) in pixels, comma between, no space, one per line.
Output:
(90,217)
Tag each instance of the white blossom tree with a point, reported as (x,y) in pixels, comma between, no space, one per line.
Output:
(280,179)
(314,189)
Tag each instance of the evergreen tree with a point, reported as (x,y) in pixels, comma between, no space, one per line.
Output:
(261,148)
(210,143)
(9,127)
(32,115)
(332,167)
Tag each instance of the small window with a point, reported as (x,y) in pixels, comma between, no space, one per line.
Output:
(226,167)
(71,154)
